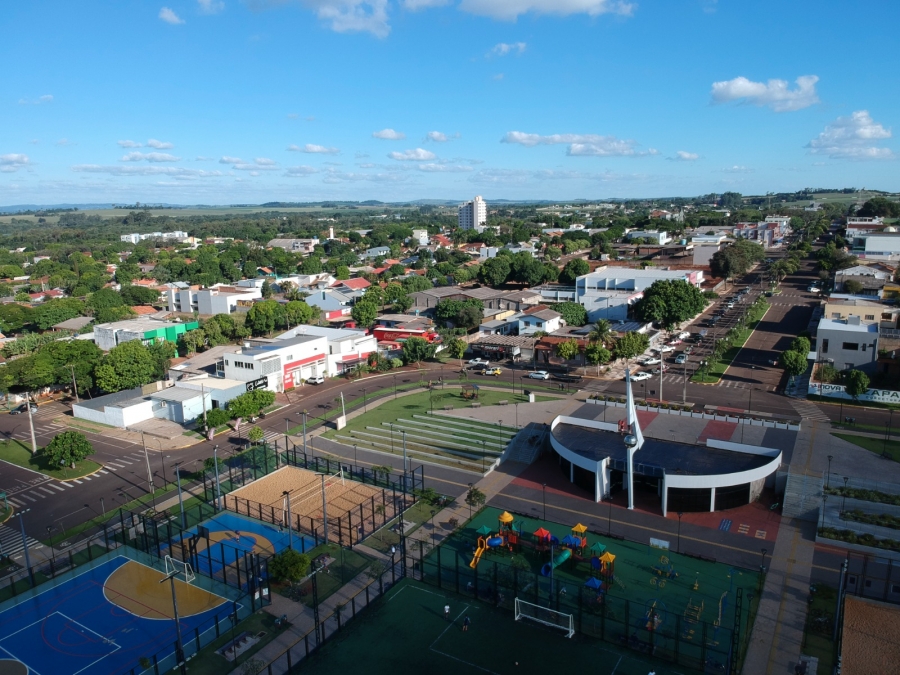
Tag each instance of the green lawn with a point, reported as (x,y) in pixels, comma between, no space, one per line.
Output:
(818,631)
(419,513)
(18,453)
(207,662)
(347,565)
(5,513)
(890,449)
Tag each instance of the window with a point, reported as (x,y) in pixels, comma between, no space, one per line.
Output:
(850,347)
(864,346)
(825,346)
(835,315)
(226,362)
(870,317)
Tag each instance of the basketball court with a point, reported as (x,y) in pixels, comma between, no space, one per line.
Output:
(103,621)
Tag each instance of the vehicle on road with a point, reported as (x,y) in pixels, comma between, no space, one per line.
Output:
(681,358)
(315,379)
(491,371)
(813,289)
(662,369)
(475,362)
(539,375)
(478,367)
(23,409)
(684,335)
(643,375)
(674,342)
(651,361)
(665,349)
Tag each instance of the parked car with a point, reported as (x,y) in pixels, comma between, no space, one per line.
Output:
(539,375)
(475,362)
(23,409)
(681,358)
(813,289)
(684,335)
(316,379)
(665,349)
(651,362)
(642,375)
(674,342)
(663,368)
(491,371)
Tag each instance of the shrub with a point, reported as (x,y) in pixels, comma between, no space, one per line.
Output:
(289,565)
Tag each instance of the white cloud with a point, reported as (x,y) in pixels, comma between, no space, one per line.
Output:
(509,10)
(415,5)
(46,98)
(230,160)
(498,77)
(210,6)
(584,145)
(298,171)
(65,142)
(13,162)
(264,161)
(775,93)
(389,135)
(159,145)
(444,168)
(149,157)
(141,170)
(314,149)
(335,176)
(129,144)
(436,136)
(684,156)
(344,16)
(254,167)
(854,137)
(737,168)
(170,17)
(502,49)
(417,155)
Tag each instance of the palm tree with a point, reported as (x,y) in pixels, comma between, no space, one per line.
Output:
(601,332)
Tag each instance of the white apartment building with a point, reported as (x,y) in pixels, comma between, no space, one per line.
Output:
(472,214)
(218,299)
(420,237)
(657,237)
(134,238)
(607,292)
(347,347)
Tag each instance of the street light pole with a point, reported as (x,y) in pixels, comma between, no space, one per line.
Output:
(544,499)
(20,515)
(304,434)
(218,489)
(324,509)
(678,546)
(287,497)
(149,472)
(179,645)
(828,477)
(180,499)
(844,500)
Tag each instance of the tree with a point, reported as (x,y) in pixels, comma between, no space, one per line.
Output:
(669,302)
(217,417)
(853,287)
(417,349)
(14,317)
(567,350)
(250,404)
(342,272)
(801,344)
(128,365)
(457,348)
(794,363)
(296,312)
(469,317)
(495,271)
(597,355)
(574,269)
(736,259)
(601,332)
(105,298)
(255,434)
(52,312)
(67,448)
(475,498)
(364,312)
(288,566)
(573,313)
(630,345)
(266,289)
(856,384)
(262,316)
(190,341)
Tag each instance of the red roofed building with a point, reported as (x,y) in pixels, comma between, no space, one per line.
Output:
(143,310)
(346,285)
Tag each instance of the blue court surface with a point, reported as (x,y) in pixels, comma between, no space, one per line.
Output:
(73,629)
(231,536)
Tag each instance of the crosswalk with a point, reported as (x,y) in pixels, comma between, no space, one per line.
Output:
(809,411)
(11,541)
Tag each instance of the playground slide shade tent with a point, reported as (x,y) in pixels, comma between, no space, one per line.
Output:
(506,518)
(593,582)
(579,529)
(483,530)
(541,534)
(597,547)
(571,540)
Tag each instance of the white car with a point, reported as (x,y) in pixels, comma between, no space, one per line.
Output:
(539,375)
(643,375)
(315,379)
(476,362)
(665,349)
(684,335)
(651,362)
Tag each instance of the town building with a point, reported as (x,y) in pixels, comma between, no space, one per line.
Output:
(608,292)
(305,246)
(660,238)
(278,365)
(145,329)
(420,237)
(539,319)
(884,246)
(136,238)
(128,408)
(218,299)
(346,347)
(848,344)
(472,214)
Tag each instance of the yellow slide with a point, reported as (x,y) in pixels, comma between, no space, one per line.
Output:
(481,548)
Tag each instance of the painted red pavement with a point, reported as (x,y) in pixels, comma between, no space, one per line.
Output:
(645,417)
(720,431)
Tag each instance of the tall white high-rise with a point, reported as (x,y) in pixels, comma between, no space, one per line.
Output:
(472,214)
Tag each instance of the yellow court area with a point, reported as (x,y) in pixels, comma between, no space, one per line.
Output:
(136,589)
(8,667)
(261,545)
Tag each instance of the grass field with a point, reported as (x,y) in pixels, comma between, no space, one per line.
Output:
(406,632)
(891,449)
(18,453)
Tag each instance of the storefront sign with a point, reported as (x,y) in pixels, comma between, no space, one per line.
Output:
(261,383)
(839,391)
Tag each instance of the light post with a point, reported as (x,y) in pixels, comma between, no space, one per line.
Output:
(678,546)
(355,458)
(180,499)
(218,489)
(365,401)
(287,499)
(52,550)
(824,500)
(544,499)
(395,386)
(405,464)
(483,454)
(102,506)
(149,472)
(391,427)
(762,569)
(844,500)
(286,429)
(828,476)
(304,413)
(20,516)
(324,508)
(468,499)
(179,645)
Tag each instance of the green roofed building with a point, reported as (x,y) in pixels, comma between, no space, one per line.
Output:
(145,329)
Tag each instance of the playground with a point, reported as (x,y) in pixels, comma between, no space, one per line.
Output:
(104,621)
(644,596)
(352,508)
(406,632)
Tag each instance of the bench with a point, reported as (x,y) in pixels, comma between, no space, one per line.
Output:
(476,405)
(502,402)
(448,407)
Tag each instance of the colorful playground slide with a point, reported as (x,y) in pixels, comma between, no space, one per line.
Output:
(561,556)
(478,553)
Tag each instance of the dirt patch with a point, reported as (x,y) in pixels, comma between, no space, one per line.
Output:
(869,645)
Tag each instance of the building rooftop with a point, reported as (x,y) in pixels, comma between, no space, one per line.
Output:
(843,325)
(77,323)
(114,399)
(175,394)
(138,325)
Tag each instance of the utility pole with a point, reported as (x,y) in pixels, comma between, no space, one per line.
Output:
(179,645)
(324,509)
(31,425)
(218,490)
(203,402)
(74,384)
(149,472)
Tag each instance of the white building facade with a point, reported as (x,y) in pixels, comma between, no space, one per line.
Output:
(472,214)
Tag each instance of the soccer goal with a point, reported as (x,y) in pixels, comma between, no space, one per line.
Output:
(546,616)
(181,570)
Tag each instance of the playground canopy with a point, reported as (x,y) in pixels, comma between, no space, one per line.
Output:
(579,529)
(597,547)
(571,540)
(593,582)
(506,518)
(483,530)
(541,533)
(607,558)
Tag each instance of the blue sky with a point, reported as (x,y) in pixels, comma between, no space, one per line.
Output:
(245,101)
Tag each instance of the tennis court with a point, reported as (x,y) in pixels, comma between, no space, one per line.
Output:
(104,620)
(406,632)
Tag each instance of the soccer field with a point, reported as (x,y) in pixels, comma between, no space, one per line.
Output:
(407,632)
